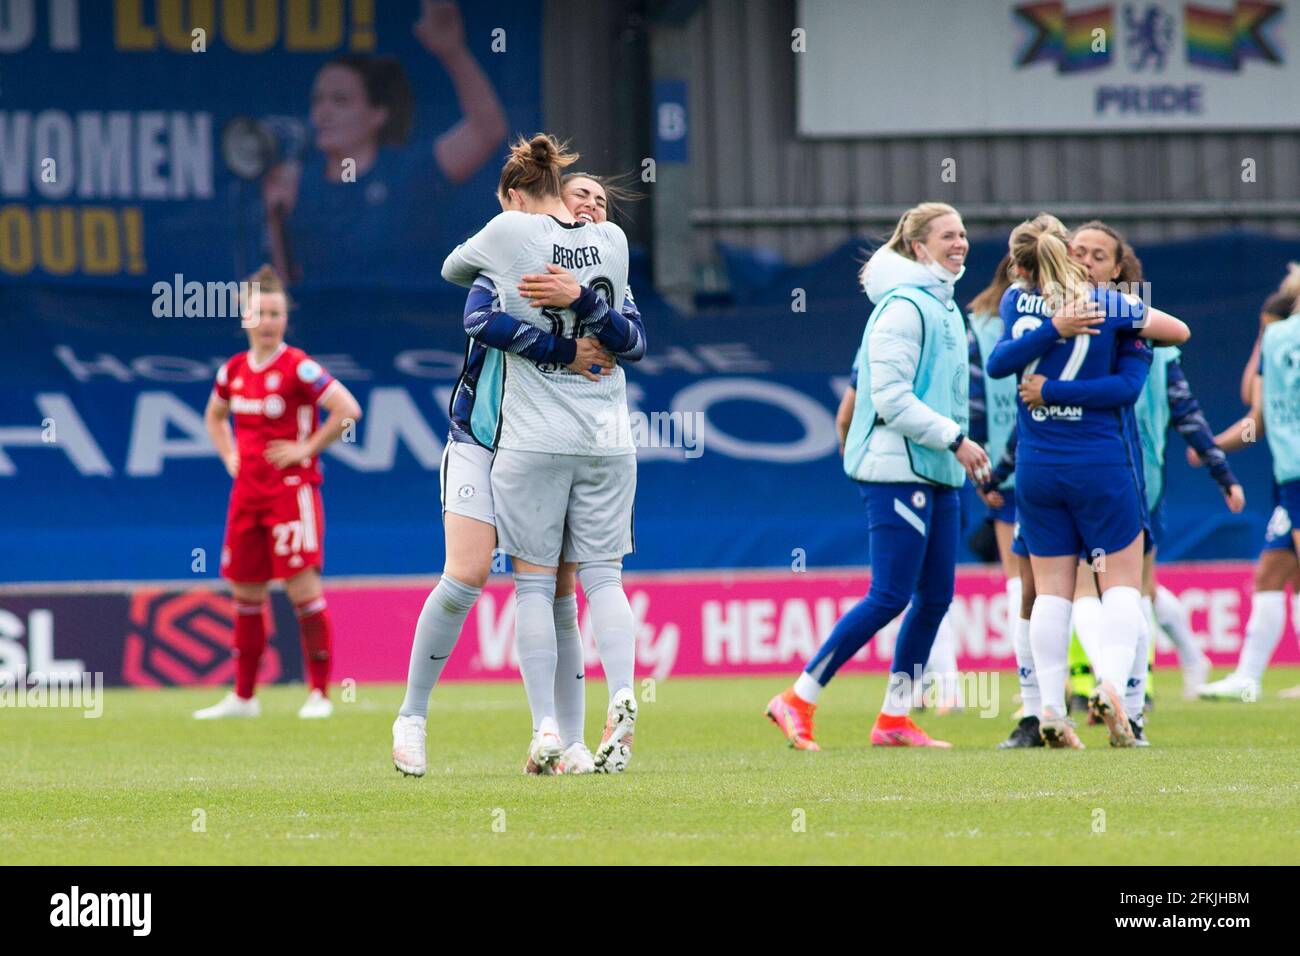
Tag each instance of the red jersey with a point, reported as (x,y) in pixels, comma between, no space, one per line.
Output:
(274,400)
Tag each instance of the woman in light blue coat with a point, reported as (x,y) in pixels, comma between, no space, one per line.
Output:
(906,446)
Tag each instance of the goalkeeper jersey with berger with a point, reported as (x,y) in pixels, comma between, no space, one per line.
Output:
(547,407)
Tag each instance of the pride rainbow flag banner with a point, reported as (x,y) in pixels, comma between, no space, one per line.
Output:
(1224,39)
(1066,39)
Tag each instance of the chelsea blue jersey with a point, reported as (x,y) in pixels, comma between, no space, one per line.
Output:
(1058,433)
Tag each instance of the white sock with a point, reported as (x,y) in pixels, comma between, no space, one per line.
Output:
(1049,637)
(1015,593)
(1149,614)
(1263,631)
(1087,625)
(570,671)
(535,641)
(942,665)
(1029,693)
(1121,614)
(611,619)
(898,695)
(806,688)
(1135,691)
(1174,620)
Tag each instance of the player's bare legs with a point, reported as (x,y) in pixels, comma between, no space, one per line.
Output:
(304,590)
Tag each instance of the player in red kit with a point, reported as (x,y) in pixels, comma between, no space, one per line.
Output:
(275,523)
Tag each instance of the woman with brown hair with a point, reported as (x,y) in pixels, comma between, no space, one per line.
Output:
(563,478)
(1166,401)
(275,523)
(468,519)
(1078,487)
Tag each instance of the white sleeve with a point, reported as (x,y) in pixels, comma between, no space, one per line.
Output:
(492,247)
(893,350)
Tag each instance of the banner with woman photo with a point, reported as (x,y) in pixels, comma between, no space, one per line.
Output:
(350,143)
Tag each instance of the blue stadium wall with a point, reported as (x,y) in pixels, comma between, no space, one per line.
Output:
(129,488)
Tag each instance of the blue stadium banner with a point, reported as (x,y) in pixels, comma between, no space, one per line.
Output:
(672,122)
(347,142)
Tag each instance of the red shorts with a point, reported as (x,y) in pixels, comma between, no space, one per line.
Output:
(274,539)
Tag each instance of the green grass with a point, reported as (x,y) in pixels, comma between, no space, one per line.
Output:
(712,782)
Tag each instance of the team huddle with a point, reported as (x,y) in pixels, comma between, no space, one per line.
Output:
(1075,498)
(1073,480)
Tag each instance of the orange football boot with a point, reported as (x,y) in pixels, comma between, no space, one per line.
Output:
(794,716)
(902,732)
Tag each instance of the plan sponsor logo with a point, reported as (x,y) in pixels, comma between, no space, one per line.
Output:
(1056,413)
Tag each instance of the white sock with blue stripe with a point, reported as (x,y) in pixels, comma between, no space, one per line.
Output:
(1135,692)
(1121,620)
(1030,695)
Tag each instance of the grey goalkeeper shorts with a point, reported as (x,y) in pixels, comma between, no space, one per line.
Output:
(466,483)
(551,508)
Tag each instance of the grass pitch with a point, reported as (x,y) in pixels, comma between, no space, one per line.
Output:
(711,782)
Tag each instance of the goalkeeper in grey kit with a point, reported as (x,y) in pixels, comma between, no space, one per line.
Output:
(563,481)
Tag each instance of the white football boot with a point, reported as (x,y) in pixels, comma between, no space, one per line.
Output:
(316,707)
(615,750)
(232,705)
(1235,686)
(578,759)
(546,752)
(408,745)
